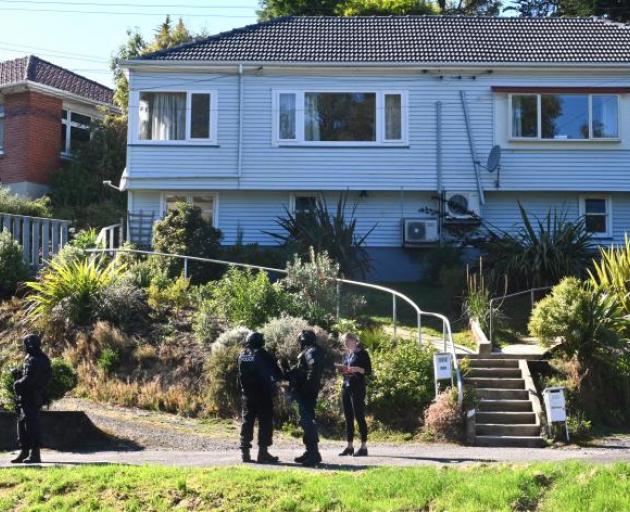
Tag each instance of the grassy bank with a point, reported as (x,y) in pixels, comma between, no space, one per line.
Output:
(543,487)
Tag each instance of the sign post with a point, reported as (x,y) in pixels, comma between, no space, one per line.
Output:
(442,369)
(555,407)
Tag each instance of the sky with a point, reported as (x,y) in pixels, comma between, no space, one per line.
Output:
(87,33)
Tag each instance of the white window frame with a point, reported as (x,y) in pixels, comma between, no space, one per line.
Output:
(609,213)
(380,118)
(189,196)
(292,198)
(539,137)
(69,123)
(188,141)
(2,118)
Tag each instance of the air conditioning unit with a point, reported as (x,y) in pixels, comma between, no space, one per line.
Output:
(420,231)
(462,206)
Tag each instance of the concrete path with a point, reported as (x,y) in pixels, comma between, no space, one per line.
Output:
(380,455)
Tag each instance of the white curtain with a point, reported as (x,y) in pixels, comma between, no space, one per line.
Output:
(311,117)
(393,117)
(168,116)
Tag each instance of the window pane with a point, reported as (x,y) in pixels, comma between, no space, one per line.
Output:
(79,137)
(80,119)
(162,116)
(605,120)
(206,204)
(524,116)
(340,117)
(564,117)
(200,116)
(1,133)
(305,204)
(171,201)
(595,206)
(393,117)
(287,116)
(64,114)
(595,223)
(64,129)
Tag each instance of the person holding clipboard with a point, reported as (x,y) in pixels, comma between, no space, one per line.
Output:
(355,368)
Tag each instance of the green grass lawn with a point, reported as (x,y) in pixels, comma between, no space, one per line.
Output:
(543,487)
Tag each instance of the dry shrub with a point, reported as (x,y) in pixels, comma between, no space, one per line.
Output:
(444,418)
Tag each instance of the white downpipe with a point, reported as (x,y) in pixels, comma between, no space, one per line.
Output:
(239,162)
(471,144)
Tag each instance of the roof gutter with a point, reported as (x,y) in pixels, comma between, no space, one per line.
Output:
(36,86)
(132,64)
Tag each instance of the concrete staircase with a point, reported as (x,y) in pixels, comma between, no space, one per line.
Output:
(509,411)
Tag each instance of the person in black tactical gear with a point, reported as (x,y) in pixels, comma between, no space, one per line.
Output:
(30,391)
(257,375)
(305,381)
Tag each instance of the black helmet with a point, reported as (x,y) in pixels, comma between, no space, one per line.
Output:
(32,343)
(307,338)
(255,340)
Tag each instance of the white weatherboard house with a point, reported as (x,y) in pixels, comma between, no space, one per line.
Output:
(396,110)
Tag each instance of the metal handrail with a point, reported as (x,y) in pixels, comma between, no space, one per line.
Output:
(491,302)
(447,334)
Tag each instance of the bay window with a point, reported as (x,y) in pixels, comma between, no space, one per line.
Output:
(564,116)
(205,201)
(75,131)
(596,211)
(340,118)
(177,116)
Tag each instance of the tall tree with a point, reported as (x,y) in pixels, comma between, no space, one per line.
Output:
(387,7)
(270,9)
(613,10)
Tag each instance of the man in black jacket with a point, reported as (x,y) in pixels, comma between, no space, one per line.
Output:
(257,375)
(305,378)
(30,390)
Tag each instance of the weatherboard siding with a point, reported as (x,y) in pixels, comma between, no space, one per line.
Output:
(548,166)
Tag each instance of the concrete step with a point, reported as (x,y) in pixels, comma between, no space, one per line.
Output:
(501,355)
(502,394)
(480,382)
(499,429)
(496,373)
(493,363)
(488,405)
(506,418)
(516,441)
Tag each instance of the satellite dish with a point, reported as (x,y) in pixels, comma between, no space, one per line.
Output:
(494,159)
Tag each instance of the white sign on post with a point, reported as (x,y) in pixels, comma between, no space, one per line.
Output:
(555,407)
(442,367)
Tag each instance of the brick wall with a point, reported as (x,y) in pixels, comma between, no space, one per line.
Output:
(32,133)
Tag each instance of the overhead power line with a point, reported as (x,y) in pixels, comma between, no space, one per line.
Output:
(127,13)
(61,53)
(136,5)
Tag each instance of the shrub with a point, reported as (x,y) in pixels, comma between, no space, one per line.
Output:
(122,304)
(332,233)
(16,205)
(254,254)
(312,283)
(444,418)
(108,360)
(165,295)
(85,239)
(612,273)
(223,393)
(7,395)
(402,383)
(184,231)
(541,253)
(246,298)
(476,304)
(281,340)
(205,324)
(75,287)
(13,270)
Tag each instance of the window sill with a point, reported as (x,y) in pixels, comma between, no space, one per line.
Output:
(163,144)
(355,145)
(564,141)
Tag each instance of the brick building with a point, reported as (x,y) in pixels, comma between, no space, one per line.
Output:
(45,115)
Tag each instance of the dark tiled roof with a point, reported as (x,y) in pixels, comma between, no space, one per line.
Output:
(37,70)
(414,39)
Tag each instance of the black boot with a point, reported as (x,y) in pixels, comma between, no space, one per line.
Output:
(313,458)
(21,457)
(245,455)
(264,457)
(34,458)
(301,458)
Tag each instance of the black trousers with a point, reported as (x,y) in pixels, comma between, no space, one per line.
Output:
(257,407)
(306,406)
(28,427)
(353,399)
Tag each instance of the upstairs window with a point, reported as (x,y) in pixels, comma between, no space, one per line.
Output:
(177,116)
(340,118)
(596,211)
(1,126)
(75,131)
(564,116)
